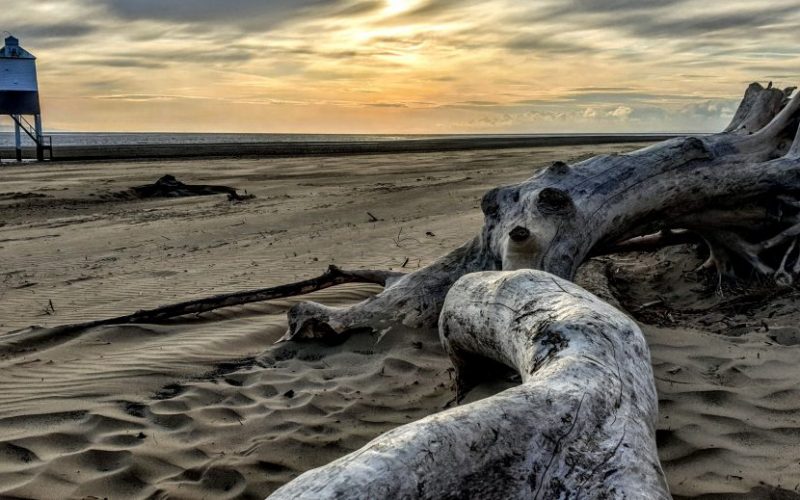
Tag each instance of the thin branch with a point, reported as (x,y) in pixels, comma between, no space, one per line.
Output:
(332,277)
(650,242)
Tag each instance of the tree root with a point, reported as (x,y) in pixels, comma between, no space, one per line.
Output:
(582,422)
(650,242)
(332,277)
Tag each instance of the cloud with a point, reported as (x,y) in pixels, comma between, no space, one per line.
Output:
(671,19)
(544,43)
(253,14)
(627,96)
(142,97)
(428,10)
(609,6)
(710,109)
(46,32)
(124,62)
(705,24)
(621,112)
(411,66)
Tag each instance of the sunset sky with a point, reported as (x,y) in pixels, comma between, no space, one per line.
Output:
(402,66)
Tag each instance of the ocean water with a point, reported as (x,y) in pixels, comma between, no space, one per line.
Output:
(123,139)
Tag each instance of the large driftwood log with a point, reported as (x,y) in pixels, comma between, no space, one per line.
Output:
(581,424)
(737,191)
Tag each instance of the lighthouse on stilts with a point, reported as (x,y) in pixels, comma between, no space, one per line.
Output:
(19,96)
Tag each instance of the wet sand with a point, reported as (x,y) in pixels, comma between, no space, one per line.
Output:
(207,406)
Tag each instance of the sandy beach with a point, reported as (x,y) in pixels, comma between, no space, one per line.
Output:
(208,407)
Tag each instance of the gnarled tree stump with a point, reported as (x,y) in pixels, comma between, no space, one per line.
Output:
(738,190)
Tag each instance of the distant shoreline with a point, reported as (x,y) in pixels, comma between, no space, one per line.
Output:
(326,148)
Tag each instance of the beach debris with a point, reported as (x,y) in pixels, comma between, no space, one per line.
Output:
(401,238)
(49,309)
(372,218)
(170,187)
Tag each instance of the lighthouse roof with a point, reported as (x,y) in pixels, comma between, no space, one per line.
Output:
(12,50)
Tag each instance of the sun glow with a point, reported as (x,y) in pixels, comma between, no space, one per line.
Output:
(397,6)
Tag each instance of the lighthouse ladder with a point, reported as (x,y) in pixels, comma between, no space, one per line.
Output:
(43,142)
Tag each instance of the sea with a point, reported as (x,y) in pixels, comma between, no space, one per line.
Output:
(149,138)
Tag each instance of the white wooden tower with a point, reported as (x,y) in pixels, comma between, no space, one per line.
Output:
(19,96)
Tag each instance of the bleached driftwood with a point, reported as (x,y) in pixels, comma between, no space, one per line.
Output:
(737,191)
(581,424)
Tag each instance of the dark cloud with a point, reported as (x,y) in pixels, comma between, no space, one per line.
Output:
(124,62)
(33,35)
(710,33)
(60,30)
(662,18)
(543,44)
(222,56)
(250,13)
(699,24)
(615,7)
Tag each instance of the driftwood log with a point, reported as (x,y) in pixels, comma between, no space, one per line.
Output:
(170,187)
(581,424)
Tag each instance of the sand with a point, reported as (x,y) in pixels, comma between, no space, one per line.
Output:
(208,407)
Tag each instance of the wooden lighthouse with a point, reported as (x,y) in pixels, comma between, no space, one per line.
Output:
(19,96)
